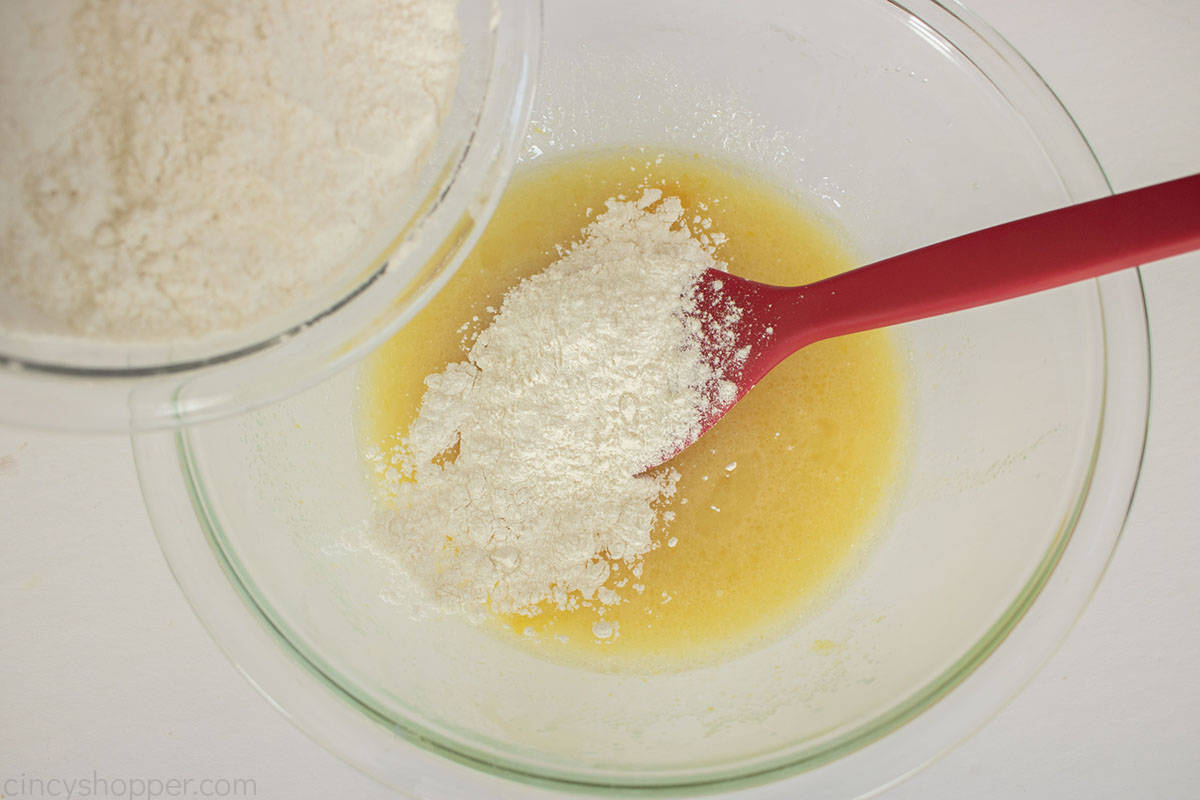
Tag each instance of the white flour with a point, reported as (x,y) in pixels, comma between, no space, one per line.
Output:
(524,458)
(172,168)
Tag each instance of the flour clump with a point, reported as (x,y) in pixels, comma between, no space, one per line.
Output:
(170,169)
(521,480)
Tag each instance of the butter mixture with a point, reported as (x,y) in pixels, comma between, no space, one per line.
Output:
(748,527)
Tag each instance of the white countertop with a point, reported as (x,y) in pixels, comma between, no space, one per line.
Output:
(105,669)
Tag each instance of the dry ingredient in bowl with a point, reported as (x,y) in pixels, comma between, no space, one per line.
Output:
(519,480)
(173,168)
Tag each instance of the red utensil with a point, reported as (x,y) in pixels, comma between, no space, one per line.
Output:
(1017,258)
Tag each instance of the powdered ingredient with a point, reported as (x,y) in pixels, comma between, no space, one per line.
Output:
(519,479)
(172,168)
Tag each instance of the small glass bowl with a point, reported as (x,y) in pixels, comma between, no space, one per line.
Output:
(904,124)
(82,384)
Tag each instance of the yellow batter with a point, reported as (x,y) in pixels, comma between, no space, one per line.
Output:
(774,501)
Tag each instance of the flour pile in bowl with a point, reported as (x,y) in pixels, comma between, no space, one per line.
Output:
(170,169)
(520,478)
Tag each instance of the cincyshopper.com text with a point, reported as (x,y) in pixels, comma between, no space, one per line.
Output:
(103,787)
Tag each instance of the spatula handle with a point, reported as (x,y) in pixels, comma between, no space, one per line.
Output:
(1016,258)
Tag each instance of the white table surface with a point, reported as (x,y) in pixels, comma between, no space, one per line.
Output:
(103,667)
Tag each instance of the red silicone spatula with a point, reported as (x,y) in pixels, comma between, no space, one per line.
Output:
(1017,258)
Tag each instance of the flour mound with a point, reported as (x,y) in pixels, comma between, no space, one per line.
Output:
(521,472)
(172,168)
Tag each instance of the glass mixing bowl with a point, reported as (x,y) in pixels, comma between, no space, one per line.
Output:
(77,383)
(904,124)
